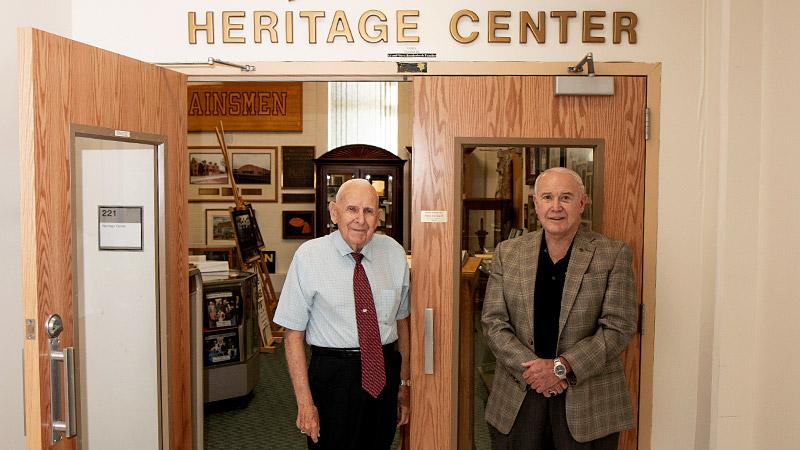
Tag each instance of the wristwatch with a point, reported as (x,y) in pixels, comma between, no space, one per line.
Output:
(405,383)
(559,369)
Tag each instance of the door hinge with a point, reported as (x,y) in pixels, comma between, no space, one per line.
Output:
(641,318)
(30,329)
(647,124)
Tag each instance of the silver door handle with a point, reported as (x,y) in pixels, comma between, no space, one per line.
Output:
(62,383)
(67,426)
(428,344)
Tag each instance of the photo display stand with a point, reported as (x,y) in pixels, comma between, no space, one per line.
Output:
(249,245)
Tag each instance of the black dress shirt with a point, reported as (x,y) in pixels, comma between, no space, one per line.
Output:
(547,301)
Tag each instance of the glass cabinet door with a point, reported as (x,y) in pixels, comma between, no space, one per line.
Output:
(384,183)
(333,179)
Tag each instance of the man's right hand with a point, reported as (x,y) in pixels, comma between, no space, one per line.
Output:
(308,421)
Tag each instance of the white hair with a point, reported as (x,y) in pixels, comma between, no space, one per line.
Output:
(569,172)
(353,183)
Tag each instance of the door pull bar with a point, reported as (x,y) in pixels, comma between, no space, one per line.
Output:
(428,344)
(62,382)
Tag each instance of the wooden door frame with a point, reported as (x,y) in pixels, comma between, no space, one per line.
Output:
(387,70)
(62,83)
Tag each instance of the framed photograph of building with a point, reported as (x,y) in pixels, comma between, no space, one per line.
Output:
(207,169)
(219,228)
(298,224)
(253,168)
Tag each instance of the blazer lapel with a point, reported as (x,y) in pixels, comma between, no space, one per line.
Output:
(530,262)
(582,253)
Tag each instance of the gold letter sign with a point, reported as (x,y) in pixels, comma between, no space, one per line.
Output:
(271,106)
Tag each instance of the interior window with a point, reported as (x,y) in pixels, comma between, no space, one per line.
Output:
(362,112)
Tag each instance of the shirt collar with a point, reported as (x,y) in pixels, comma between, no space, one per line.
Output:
(344,248)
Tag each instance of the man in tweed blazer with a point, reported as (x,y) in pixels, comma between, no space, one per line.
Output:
(559,309)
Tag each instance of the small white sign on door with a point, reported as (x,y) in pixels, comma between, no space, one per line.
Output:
(120,227)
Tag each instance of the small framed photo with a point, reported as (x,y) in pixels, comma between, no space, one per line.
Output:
(223,309)
(221,348)
(253,168)
(298,224)
(245,229)
(207,168)
(219,228)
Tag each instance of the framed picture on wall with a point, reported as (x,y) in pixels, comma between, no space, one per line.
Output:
(254,168)
(219,228)
(298,167)
(298,224)
(207,168)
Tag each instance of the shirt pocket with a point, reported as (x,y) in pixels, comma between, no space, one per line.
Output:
(387,304)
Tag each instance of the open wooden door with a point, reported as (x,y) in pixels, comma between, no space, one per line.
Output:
(103,207)
(450,110)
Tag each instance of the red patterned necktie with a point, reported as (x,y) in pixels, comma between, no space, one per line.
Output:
(373,376)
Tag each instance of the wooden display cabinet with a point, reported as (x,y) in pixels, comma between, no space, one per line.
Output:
(383,168)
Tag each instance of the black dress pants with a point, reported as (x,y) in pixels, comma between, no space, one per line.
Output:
(541,424)
(350,419)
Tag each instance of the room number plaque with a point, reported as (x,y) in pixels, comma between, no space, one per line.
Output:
(120,228)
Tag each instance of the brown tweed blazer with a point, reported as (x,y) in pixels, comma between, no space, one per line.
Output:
(598,318)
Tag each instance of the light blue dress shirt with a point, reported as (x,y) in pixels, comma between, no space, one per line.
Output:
(317,296)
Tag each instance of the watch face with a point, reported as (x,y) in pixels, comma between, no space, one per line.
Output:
(560,370)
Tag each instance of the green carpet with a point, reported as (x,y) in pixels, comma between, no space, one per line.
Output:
(263,420)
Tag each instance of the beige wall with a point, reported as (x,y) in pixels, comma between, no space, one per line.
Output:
(776,391)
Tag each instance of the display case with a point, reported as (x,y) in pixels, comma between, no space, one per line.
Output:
(230,334)
(381,167)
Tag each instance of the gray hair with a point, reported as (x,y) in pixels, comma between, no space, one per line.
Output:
(354,183)
(569,172)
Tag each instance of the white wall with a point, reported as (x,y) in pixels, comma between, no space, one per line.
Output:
(53,17)
(728,214)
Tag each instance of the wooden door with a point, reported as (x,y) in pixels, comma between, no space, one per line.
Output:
(459,108)
(68,89)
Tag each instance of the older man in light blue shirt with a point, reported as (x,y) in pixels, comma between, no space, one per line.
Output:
(317,305)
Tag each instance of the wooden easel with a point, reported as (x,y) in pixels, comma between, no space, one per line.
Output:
(271,334)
